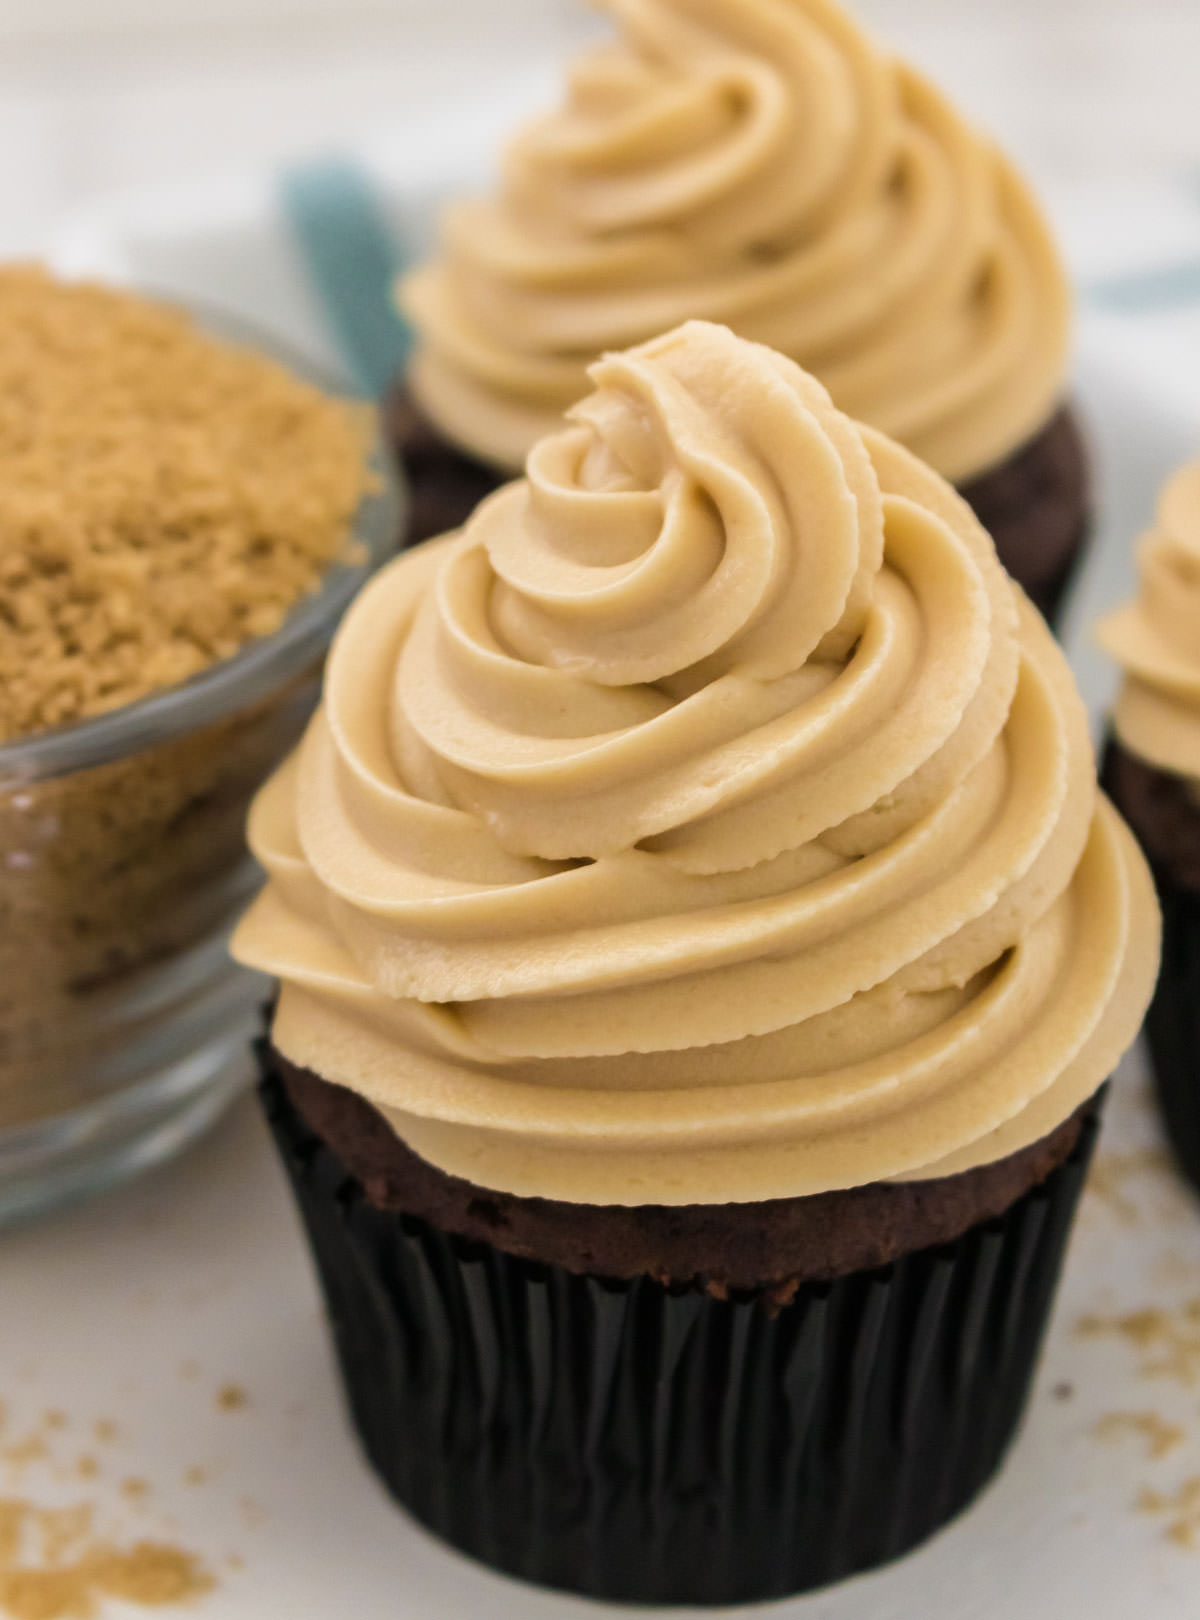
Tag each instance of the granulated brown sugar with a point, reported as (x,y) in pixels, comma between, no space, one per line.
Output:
(164,498)
(150,1574)
(1180,1507)
(64,1562)
(54,1566)
(20,1454)
(1160,1436)
(1167,1341)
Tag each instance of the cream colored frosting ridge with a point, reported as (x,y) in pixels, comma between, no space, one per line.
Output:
(763,164)
(710,820)
(1156,638)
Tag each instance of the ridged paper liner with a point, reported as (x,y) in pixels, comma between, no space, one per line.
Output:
(636,1443)
(1173,1025)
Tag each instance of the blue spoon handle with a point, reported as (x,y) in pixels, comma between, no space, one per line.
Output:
(1160,290)
(351,259)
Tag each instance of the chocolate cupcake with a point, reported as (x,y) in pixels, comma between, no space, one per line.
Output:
(764,165)
(702,946)
(1152,770)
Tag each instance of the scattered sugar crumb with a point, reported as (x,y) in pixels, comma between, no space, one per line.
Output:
(1180,1507)
(46,1594)
(232,1398)
(60,1563)
(64,1530)
(1112,1175)
(1160,1436)
(11,1530)
(53,1566)
(105,1431)
(1166,1340)
(151,1574)
(1171,1270)
(21,1453)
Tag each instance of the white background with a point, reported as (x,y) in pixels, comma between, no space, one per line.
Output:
(104,94)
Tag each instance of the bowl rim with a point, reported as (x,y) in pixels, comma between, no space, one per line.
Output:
(264,663)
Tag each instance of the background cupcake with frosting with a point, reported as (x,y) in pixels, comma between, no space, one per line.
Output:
(702,946)
(760,163)
(1152,769)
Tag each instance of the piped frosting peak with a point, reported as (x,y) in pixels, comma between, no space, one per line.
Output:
(709,820)
(1156,637)
(763,164)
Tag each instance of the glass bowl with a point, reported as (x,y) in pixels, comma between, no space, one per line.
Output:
(125,1027)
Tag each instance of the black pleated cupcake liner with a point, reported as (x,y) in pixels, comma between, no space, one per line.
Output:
(1050,597)
(637,1443)
(1173,1025)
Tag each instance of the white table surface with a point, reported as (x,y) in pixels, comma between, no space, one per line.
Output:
(100,95)
(139,1313)
(139,1310)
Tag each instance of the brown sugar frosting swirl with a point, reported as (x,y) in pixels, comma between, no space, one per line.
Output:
(1156,638)
(708,821)
(763,164)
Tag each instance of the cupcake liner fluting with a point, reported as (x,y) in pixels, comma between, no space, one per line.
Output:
(1162,816)
(636,1442)
(1173,1026)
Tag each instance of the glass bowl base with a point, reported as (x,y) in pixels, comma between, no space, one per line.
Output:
(62,1161)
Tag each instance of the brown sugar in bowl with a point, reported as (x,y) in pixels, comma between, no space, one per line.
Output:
(183,520)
